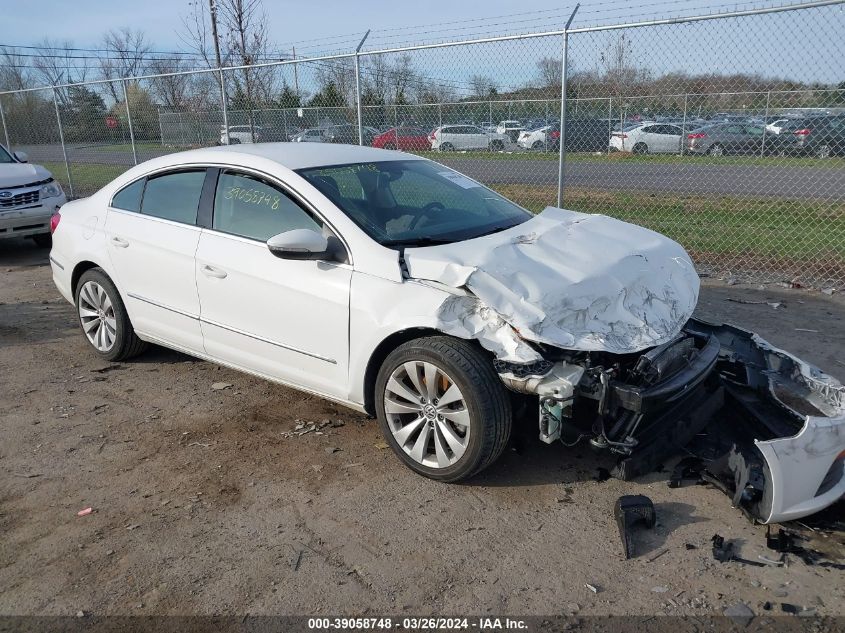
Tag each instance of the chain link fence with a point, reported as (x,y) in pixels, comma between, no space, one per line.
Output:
(725,132)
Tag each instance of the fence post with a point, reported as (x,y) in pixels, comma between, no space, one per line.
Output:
(160,126)
(5,129)
(223,102)
(563,73)
(765,124)
(358,88)
(62,140)
(439,115)
(684,124)
(609,122)
(129,121)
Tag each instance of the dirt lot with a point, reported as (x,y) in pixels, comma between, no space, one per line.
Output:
(203,505)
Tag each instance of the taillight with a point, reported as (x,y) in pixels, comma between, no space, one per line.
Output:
(432,135)
(555,134)
(697,135)
(54,221)
(802,132)
(618,135)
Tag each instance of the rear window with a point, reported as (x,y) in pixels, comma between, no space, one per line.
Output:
(174,196)
(129,198)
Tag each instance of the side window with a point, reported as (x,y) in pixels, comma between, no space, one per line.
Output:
(735,129)
(651,129)
(174,196)
(129,198)
(249,207)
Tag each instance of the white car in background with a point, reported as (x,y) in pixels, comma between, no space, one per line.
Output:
(511,128)
(29,196)
(311,135)
(533,139)
(240,134)
(647,138)
(776,127)
(401,288)
(448,138)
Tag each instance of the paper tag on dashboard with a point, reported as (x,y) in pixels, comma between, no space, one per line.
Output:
(459,179)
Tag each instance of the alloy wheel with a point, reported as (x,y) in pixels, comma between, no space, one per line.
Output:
(427,414)
(96,313)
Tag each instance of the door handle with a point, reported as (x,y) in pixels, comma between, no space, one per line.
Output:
(119,242)
(211,271)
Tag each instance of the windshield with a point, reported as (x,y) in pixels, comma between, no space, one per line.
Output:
(5,157)
(414,202)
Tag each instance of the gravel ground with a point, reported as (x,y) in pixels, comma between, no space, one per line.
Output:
(204,504)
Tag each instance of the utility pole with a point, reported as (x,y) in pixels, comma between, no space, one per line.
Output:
(295,73)
(212,7)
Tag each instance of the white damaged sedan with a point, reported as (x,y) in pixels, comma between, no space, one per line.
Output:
(398,287)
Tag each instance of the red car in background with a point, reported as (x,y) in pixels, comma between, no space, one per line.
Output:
(404,138)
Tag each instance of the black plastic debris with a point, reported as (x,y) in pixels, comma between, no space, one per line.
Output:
(785,542)
(631,510)
(789,608)
(724,552)
(688,469)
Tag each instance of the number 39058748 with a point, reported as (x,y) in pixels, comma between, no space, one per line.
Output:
(254,196)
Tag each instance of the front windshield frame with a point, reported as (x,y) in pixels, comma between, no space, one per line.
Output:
(6,154)
(512,213)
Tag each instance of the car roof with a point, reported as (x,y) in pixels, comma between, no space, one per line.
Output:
(290,155)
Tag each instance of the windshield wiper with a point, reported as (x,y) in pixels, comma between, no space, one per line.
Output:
(417,241)
(497,229)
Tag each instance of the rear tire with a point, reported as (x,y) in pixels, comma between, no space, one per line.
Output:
(446,147)
(716,150)
(640,148)
(538,145)
(824,151)
(97,295)
(442,408)
(497,145)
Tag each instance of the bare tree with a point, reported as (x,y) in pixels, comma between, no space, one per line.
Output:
(482,85)
(15,73)
(127,53)
(57,63)
(171,90)
(550,71)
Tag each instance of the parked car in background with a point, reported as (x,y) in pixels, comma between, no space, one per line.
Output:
(348,134)
(647,138)
(510,127)
(776,126)
(411,139)
(240,134)
(28,197)
(311,135)
(537,138)
(488,126)
(820,136)
(448,138)
(728,138)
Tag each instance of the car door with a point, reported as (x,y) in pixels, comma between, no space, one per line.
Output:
(670,139)
(151,236)
(476,138)
(734,138)
(286,319)
(753,139)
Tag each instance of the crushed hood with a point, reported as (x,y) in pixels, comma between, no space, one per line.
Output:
(16,174)
(568,279)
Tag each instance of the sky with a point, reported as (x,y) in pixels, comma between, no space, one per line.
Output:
(809,47)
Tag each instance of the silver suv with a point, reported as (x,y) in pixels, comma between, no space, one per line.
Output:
(28,198)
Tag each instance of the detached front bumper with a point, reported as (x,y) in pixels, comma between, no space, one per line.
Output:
(786,420)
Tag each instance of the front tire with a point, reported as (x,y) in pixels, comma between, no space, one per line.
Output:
(824,152)
(716,150)
(442,408)
(103,318)
(497,146)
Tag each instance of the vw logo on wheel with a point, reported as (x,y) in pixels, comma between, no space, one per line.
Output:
(6,194)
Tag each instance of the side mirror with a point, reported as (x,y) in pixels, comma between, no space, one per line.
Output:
(299,244)
(22,157)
